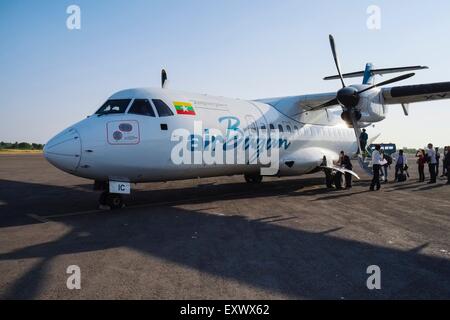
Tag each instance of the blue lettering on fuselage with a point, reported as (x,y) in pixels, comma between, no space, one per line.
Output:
(233,138)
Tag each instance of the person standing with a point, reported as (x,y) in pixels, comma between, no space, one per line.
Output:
(421,165)
(363,138)
(438,159)
(338,175)
(444,162)
(347,164)
(385,168)
(400,165)
(376,166)
(447,164)
(431,159)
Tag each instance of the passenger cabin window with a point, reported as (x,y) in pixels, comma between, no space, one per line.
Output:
(280,128)
(114,106)
(272,127)
(162,108)
(288,128)
(142,107)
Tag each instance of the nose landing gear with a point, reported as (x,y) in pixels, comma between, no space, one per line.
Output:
(107,199)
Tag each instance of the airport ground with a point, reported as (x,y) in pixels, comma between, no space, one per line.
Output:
(220,238)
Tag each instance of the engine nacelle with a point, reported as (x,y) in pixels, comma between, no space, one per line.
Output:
(371,107)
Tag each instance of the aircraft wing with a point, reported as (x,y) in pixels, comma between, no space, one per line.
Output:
(416,93)
(303,103)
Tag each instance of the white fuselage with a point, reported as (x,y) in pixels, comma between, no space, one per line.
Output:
(90,148)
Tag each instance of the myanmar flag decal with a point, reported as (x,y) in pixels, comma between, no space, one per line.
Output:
(184,108)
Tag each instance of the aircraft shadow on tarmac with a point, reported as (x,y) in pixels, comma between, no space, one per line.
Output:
(257,253)
(21,199)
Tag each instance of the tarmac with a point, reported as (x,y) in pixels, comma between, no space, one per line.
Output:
(220,238)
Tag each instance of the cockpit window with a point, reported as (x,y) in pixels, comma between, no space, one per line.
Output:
(114,106)
(142,107)
(162,108)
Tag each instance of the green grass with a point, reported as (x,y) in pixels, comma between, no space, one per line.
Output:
(18,151)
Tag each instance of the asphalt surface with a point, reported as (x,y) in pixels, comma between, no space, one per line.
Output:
(220,238)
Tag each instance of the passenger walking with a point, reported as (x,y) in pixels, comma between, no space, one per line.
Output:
(431,159)
(421,164)
(376,165)
(363,138)
(400,164)
(347,163)
(438,158)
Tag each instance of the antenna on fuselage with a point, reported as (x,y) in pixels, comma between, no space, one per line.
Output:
(163,78)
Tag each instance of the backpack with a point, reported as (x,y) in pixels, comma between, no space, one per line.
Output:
(401,177)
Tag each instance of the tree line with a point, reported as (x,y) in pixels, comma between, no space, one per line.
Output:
(21,145)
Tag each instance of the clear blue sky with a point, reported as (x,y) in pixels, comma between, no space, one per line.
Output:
(52,77)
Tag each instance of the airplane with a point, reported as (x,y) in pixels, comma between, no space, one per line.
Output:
(131,137)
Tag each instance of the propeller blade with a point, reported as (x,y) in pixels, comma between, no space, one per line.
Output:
(329,103)
(163,78)
(396,79)
(336,60)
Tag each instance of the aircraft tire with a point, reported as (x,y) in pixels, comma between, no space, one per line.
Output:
(114,201)
(253,178)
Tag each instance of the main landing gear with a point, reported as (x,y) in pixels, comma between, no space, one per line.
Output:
(107,199)
(253,178)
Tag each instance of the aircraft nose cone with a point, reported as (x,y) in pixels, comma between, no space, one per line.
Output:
(64,150)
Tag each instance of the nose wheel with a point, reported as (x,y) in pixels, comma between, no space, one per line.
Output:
(112,200)
(253,178)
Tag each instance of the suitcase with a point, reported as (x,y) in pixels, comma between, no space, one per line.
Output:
(401,177)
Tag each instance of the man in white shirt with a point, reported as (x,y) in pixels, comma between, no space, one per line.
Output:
(377,161)
(431,159)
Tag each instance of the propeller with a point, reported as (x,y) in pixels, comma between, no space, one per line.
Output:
(348,97)
(163,78)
